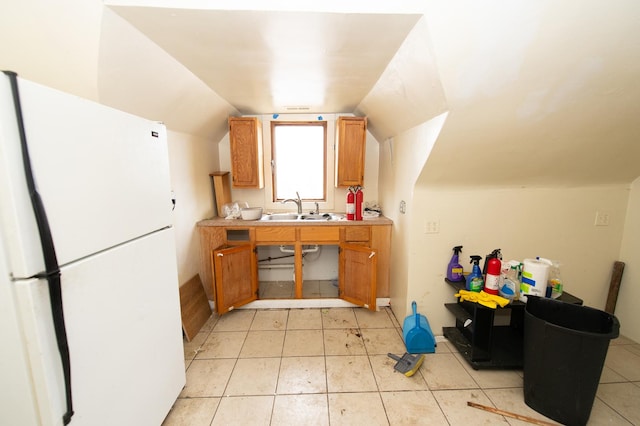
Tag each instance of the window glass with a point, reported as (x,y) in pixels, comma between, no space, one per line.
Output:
(299,160)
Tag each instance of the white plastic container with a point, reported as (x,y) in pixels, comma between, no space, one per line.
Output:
(251,213)
(535,274)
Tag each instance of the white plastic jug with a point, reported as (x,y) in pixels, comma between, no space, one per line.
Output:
(535,274)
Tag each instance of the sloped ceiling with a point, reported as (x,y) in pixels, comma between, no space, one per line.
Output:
(278,61)
(538,93)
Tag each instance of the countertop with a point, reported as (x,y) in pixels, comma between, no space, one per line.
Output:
(220,221)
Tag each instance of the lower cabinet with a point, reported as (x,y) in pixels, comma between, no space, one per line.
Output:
(233,264)
(236,276)
(358,275)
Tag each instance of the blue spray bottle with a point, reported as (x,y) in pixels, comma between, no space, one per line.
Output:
(454,269)
(475,282)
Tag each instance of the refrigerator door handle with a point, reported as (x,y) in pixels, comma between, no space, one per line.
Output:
(52,273)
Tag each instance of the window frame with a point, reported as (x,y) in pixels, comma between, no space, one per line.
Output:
(332,192)
(318,123)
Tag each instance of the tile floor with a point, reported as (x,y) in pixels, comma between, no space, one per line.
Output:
(330,367)
(311,289)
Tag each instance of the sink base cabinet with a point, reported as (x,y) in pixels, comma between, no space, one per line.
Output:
(230,266)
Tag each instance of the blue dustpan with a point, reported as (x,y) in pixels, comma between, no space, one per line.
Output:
(418,337)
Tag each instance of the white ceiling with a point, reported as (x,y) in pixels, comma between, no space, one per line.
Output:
(285,61)
(538,93)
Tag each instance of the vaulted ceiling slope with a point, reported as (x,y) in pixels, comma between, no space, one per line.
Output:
(279,61)
(538,93)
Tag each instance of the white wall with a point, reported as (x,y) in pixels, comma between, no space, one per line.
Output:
(627,308)
(53,43)
(556,223)
(401,161)
(191,159)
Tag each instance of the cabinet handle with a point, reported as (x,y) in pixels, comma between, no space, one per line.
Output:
(219,254)
(373,253)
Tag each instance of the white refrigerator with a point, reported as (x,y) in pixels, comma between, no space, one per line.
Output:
(102,178)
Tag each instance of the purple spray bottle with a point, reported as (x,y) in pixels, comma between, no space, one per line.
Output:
(454,269)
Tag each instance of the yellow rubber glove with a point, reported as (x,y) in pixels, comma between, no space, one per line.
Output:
(484,299)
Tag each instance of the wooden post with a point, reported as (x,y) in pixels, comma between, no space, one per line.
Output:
(614,287)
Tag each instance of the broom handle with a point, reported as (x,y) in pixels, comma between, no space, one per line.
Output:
(394,357)
(510,414)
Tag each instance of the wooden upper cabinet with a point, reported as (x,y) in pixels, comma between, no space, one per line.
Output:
(245,140)
(351,141)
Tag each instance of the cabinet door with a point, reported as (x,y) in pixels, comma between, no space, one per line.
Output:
(351,141)
(236,277)
(357,277)
(245,144)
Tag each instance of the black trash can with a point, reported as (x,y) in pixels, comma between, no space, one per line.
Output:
(565,346)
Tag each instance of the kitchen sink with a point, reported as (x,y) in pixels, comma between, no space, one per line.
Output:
(315,217)
(301,217)
(280,216)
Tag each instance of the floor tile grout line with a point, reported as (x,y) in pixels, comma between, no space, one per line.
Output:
(495,405)
(612,408)
(326,372)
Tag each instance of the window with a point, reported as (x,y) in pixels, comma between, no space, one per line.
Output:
(298,160)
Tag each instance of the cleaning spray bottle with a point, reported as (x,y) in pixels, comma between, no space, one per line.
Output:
(454,269)
(492,280)
(474,279)
(510,285)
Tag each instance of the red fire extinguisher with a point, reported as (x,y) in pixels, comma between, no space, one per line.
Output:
(492,280)
(359,197)
(351,204)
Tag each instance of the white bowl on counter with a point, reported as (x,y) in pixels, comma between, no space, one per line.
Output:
(251,213)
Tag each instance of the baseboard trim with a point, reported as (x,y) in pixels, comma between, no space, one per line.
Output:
(307,303)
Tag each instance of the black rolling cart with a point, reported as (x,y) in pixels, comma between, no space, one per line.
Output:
(484,344)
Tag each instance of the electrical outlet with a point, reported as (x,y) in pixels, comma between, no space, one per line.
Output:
(602,219)
(403,207)
(432,226)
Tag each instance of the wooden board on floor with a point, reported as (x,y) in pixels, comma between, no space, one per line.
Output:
(194,307)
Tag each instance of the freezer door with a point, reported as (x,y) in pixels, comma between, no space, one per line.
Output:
(103,175)
(125,339)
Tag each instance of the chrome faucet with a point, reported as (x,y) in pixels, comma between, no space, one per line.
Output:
(298,202)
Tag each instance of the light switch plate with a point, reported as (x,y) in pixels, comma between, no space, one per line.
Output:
(432,226)
(602,218)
